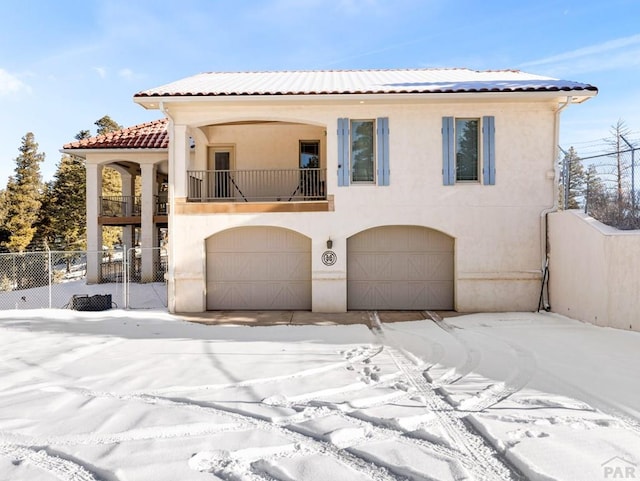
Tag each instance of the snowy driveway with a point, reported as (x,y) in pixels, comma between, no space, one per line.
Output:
(145,396)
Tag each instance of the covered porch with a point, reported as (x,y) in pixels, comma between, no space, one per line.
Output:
(140,211)
(254,161)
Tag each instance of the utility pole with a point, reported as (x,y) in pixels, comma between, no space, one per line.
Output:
(633,174)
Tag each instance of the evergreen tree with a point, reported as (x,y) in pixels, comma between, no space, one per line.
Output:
(596,197)
(23,196)
(83,134)
(111,181)
(44,234)
(106,125)
(4,212)
(575,179)
(67,196)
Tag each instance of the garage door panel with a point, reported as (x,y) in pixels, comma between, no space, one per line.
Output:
(258,268)
(400,267)
(228,294)
(440,267)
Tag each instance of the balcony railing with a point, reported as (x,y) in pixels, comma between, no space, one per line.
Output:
(280,185)
(130,206)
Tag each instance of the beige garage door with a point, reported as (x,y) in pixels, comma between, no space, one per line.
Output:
(400,268)
(258,268)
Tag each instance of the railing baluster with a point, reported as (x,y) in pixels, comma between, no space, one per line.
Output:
(258,185)
(120,206)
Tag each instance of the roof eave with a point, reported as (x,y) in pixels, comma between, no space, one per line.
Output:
(82,152)
(154,101)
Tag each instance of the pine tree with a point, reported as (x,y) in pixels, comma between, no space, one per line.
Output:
(23,196)
(596,197)
(111,181)
(44,234)
(575,179)
(106,125)
(4,212)
(68,212)
(83,134)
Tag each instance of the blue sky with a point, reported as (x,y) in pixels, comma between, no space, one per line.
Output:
(65,64)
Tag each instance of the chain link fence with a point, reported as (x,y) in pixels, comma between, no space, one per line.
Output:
(145,290)
(58,280)
(605,187)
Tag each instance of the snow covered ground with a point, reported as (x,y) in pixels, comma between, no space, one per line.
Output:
(143,395)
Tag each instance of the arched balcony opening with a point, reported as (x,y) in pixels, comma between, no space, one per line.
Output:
(258,161)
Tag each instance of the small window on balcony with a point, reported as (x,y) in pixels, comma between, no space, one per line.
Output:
(309,154)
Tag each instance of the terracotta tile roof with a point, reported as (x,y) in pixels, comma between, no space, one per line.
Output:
(150,135)
(437,80)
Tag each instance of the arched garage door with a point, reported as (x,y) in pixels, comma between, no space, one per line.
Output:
(258,268)
(400,268)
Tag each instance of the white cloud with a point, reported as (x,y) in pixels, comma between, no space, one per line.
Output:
(610,55)
(102,72)
(126,73)
(10,84)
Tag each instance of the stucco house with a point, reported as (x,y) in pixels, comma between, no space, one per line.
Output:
(339,190)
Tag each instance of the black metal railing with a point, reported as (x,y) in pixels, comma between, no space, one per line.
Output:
(278,185)
(120,206)
(130,206)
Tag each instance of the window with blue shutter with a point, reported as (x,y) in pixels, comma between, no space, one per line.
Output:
(448,152)
(460,150)
(383,150)
(488,151)
(356,151)
(343,152)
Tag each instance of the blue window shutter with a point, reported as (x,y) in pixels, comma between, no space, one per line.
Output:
(383,150)
(343,152)
(448,159)
(488,151)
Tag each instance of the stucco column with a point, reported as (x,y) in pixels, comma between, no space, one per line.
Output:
(128,190)
(148,237)
(329,274)
(181,282)
(94,229)
(179,158)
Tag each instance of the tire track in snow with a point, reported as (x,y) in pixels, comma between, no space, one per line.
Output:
(358,356)
(373,432)
(437,350)
(472,355)
(63,469)
(525,368)
(599,403)
(308,443)
(486,462)
(138,434)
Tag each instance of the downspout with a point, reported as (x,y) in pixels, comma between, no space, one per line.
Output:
(544,215)
(171,301)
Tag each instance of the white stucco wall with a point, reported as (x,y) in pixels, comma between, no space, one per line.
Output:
(497,229)
(593,271)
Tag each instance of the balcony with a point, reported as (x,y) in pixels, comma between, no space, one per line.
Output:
(279,185)
(125,210)
(120,206)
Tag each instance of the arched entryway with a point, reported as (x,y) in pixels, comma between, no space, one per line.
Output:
(258,268)
(400,268)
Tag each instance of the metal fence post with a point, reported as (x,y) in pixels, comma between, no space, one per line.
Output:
(50,267)
(125,276)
